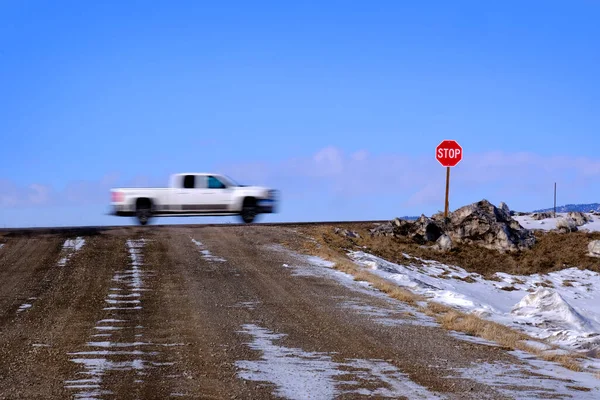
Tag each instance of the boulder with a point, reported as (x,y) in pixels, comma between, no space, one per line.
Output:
(504,208)
(346,233)
(425,230)
(566,225)
(594,248)
(443,243)
(386,229)
(579,218)
(484,224)
(541,215)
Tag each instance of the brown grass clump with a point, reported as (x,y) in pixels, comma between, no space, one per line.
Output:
(566,360)
(568,282)
(580,388)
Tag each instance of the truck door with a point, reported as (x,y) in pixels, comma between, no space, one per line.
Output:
(217,195)
(188,195)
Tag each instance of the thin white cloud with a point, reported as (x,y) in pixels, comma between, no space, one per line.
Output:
(416,184)
(524,178)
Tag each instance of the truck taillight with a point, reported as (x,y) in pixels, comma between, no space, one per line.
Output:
(117,197)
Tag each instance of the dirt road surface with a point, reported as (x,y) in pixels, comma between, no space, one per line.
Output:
(218,312)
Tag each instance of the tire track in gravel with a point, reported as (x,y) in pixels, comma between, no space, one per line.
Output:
(34,344)
(122,358)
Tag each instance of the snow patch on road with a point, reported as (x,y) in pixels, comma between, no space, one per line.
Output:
(313,266)
(296,372)
(24,307)
(539,378)
(70,247)
(206,254)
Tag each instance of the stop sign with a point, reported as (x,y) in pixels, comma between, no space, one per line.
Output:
(448,153)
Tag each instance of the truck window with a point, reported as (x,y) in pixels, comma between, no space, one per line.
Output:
(214,183)
(188,181)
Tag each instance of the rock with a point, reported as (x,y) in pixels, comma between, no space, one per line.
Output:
(566,225)
(480,223)
(346,233)
(386,229)
(443,243)
(594,248)
(541,215)
(579,218)
(504,208)
(484,224)
(425,230)
(402,227)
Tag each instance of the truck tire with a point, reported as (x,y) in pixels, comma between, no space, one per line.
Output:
(143,211)
(249,210)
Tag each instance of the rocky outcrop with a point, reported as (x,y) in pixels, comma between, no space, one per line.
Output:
(484,224)
(479,223)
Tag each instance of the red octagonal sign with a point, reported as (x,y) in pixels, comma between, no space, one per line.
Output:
(449,153)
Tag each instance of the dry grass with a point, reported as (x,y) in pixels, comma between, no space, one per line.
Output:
(472,325)
(467,279)
(568,282)
(566,360)
(333,248)
(552,252)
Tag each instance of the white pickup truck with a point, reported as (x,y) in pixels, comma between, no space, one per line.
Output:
(194,194)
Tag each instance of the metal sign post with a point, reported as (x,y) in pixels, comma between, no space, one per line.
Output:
(448,153)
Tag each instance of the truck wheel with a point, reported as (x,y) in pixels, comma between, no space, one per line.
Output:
(143,212)
(249,211)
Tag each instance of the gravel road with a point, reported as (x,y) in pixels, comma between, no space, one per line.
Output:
(215,312)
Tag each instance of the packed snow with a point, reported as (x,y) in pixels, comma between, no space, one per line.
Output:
(206,254)
(542,380)
(70,247)
(116,352)
(548,224)
(296,372)
(561,306)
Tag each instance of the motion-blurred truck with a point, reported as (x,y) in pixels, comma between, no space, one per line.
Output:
(194,194)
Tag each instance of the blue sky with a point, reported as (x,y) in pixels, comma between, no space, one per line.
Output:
(338,104)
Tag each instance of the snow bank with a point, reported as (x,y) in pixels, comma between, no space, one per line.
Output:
(561,306)
(550,223)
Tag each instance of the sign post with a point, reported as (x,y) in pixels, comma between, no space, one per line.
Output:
(448,153)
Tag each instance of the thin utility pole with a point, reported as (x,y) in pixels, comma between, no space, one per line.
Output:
(554,199)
